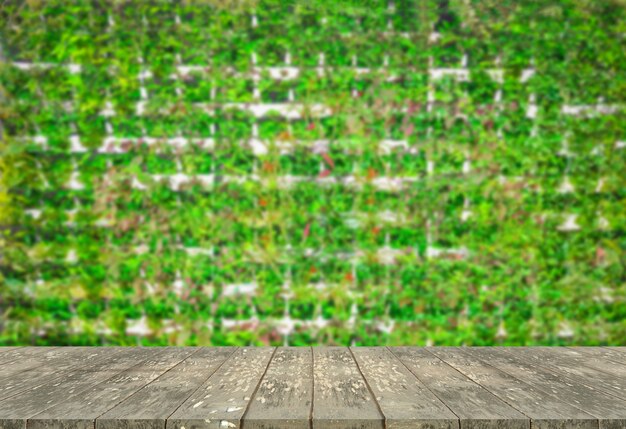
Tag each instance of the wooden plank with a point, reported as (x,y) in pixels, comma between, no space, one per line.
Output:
(545,410)
(341,397)
(51,366)
(222,400)
(603,353)
(336,387)
(284,398)
(153,404)
(32,358)
(475,406)
(405,402)
(21,354)
(609,410)
(80,413)
(604,375)
(15,411)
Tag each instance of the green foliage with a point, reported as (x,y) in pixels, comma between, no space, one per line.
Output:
(508,229)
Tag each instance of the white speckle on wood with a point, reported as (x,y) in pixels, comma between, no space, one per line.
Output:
(231,409)
(198,404)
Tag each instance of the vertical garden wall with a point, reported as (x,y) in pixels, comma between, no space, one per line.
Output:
(313,172)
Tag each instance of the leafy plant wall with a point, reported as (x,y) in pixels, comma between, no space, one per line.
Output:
(313,172)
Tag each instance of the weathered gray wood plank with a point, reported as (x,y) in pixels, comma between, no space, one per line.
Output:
(405,402)
(80,413)
(222,400)
(610,354)
(49,367)
(604,375)
(545,410)
(284,398)
(31,358)
(15,411)
(475,406)
(341,398)
(610,411)
(150,406)
(336,387)
(20,354)
(616,348)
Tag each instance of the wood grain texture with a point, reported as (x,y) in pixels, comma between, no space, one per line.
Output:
(153,404)
(603,353)
(222,400)
(609,410)
(601,374)
(15,411)
(47,367)
(341,398)
(284,398)
(80,413)
(475,406)
(10,355)
(312,388)
(31,358)
(546,411)
(405,402)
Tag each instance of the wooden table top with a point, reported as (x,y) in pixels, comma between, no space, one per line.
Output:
(312,387)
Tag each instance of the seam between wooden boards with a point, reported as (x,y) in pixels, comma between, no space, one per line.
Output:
(538,388)
(458,419)
(243,416)
(142,387)
(482,387)
(199,385)
(59,373)
(380,410)
(89,387)
(567,376)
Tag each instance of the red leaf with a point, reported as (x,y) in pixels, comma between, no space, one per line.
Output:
(409,130)
(328,160)
(268,166)
(600,255)
(324,173)
(311,126)
(413,107)
(307,230)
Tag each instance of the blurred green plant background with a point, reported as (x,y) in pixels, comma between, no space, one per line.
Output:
(269,172)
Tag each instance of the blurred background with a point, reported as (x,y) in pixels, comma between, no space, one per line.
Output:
(292,172)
